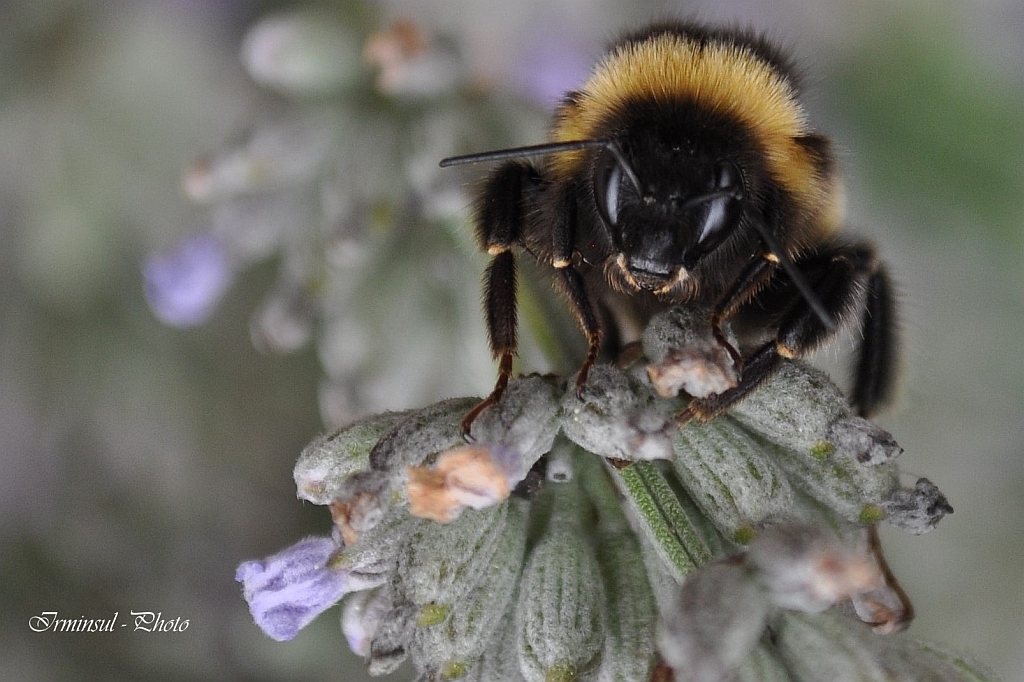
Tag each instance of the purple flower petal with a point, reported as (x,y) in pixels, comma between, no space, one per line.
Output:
(551,67)
(288,590)
(184,286)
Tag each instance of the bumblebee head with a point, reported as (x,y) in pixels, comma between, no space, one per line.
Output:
(665,205)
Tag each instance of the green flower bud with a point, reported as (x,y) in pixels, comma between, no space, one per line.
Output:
(522,426)
(618,418)
(500,659)
(729,474)
(629,645)
(560,617)
(420,434)
(331,458)
(629,607)
(443,562)
(804,421)
(460,639)
(853,490)
(795,409)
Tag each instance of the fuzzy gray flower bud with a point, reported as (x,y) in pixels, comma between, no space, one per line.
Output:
(685,356)
(714,622)
(917,510)
(327,462)
(729,474)
(560,617)
(618,418)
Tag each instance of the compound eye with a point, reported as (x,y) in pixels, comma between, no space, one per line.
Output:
(607,188)
(727,176)
(722,209)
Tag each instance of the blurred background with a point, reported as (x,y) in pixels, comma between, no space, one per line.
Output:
(220,240)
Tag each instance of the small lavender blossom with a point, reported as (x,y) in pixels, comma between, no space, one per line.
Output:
(288,590)
(184,286)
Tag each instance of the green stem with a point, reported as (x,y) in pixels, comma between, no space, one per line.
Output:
(668,524)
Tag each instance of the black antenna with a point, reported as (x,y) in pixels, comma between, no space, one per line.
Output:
(531,150)
(795,275)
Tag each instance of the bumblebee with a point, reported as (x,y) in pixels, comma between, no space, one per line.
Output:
(684,172)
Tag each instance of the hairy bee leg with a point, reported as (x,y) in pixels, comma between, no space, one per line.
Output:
(577,293)
(751,280)
(874,374)
(563,230)
(854,279)
(838,286)
(757,367)
(499,228)
(504,373)
(563,236)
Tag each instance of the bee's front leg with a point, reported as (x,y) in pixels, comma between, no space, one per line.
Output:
(499,228)
(841,277)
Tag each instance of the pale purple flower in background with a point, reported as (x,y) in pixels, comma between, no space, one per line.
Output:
(288,590)
(184,286)
(550,67)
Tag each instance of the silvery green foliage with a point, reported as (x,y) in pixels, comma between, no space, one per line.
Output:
(737,483)
(560,617)
(598,532)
